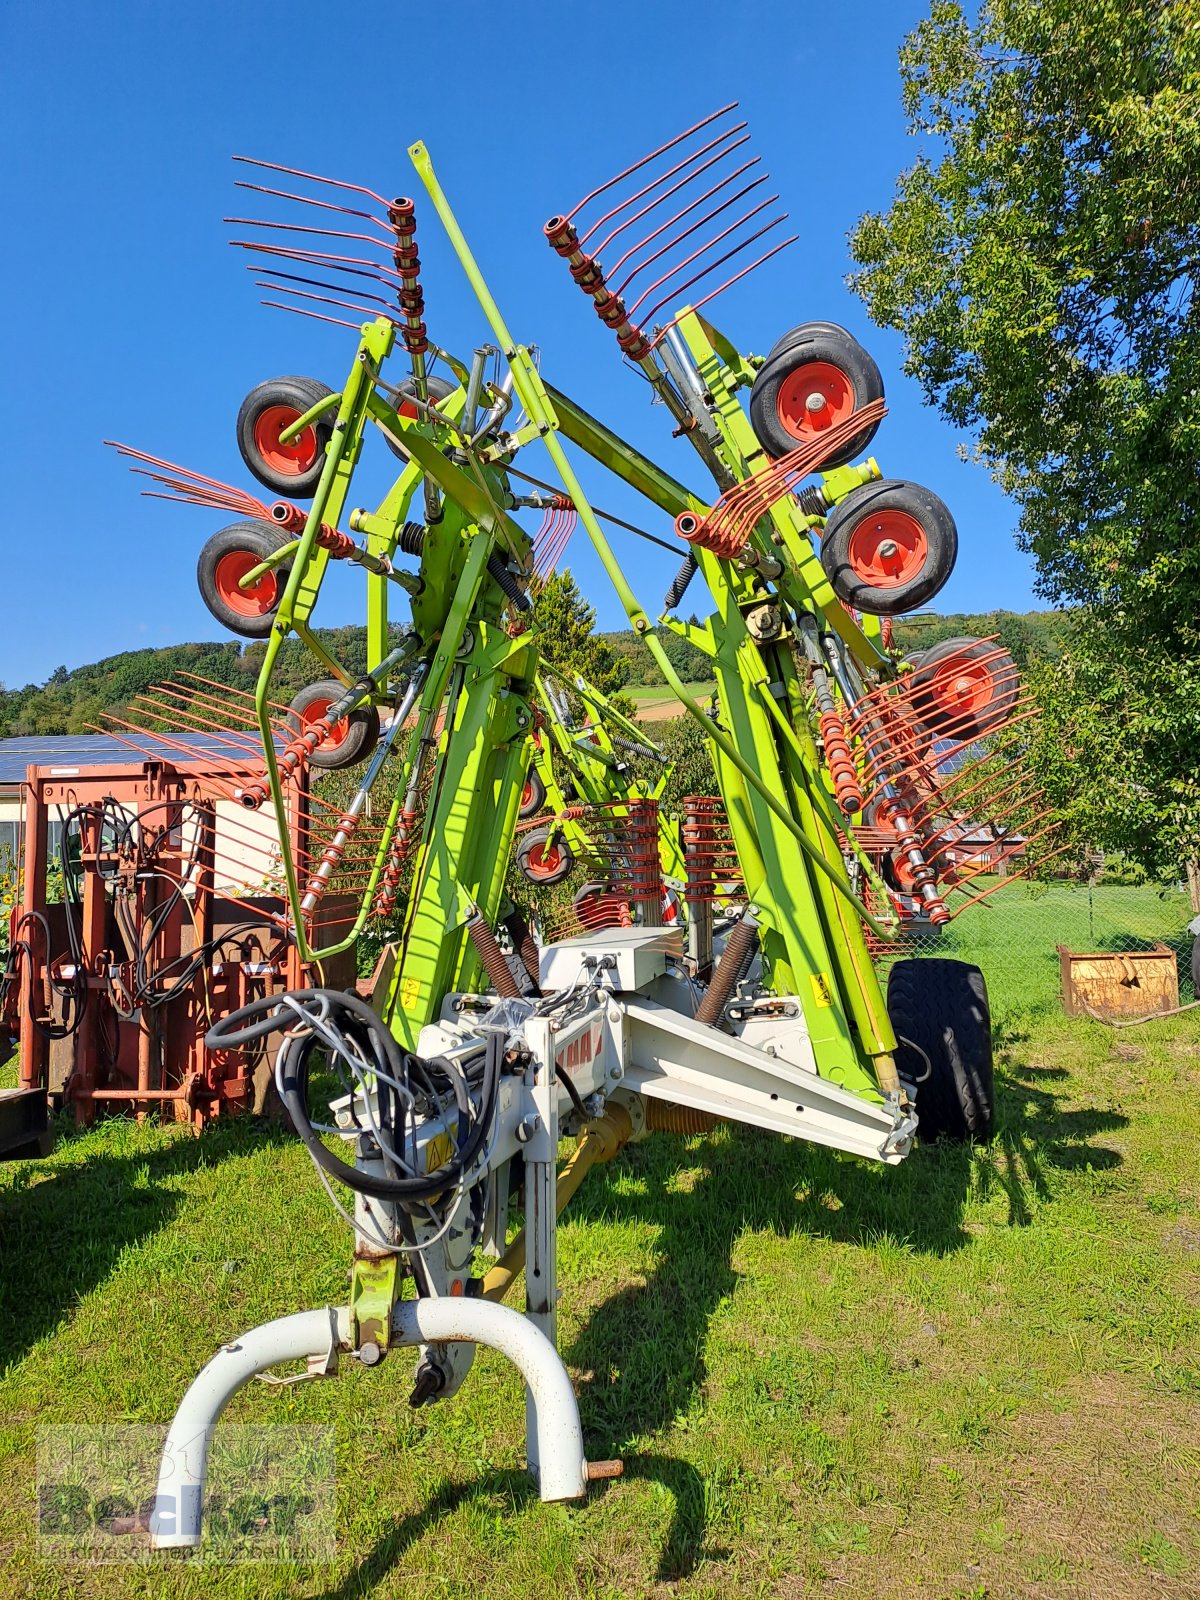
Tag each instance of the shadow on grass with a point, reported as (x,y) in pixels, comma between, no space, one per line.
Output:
(64,1224)
(512,1489)
(642,1351)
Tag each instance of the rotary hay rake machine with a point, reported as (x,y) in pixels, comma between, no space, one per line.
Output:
(756,1000)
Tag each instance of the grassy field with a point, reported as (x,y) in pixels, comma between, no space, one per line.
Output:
(656,703)
(974,1375)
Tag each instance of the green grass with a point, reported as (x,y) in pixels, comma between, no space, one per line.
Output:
(1013,934)
(658,694)
(976,1374)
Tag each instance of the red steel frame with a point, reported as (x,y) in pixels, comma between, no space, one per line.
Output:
(166,1043)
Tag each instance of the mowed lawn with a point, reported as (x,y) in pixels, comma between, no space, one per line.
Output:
(656,703)
(977,1374)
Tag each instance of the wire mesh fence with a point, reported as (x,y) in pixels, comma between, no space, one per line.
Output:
(1015,934)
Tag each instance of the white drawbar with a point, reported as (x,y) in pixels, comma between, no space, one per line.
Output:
(309,1335)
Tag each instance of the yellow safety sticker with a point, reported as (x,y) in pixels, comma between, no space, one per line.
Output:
(410,988)
(822,993)
(438,1151)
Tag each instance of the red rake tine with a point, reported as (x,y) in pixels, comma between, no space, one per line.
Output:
(316,233)
(247,748)
(658,200)
(686,233)
(709,244)
(722,183)
(241,694)
(319,299)
(737,277)
(313,177)
(638,165)
(359,266)
(712,266)
(317,316)
(311,200)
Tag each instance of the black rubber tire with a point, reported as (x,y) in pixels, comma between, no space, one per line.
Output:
(360,738)
(941,1006)
(436,387)
(797,334)
(531,845)
(829,344)
(255,540)
(946,723)
(533,795)
(298,479)
(1196,967)
(865,508)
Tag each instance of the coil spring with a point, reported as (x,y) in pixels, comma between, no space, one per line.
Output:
(489,952)
(735,958)
(679,583)
(812,501)
(502,576)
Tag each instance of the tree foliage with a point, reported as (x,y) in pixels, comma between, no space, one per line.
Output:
(1040,258)
(564,621)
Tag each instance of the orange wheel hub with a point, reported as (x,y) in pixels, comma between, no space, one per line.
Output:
(314,711)
(295,457)
(259,598)
(888,549)
(813,398)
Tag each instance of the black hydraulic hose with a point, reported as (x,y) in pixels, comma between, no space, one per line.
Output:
(266,1014)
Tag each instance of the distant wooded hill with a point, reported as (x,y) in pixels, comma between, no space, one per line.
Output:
(71,702)
(1026,634)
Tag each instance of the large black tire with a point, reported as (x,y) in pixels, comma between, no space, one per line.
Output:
(1196,967)
(941,1008)
(229,556)
(817,361)
(888,547)
(437,389)
(964,688)
(541,865)
(799,334)
(352,739)
(293,469)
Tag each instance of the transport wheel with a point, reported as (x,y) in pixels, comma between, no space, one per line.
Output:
(799,333)
(224,562)
(889,547)
(352,739)
(438,389)
(533,795)
(541,862)
(816,376)
(964,688)
(294,468)
(939,1009)
(1196,966)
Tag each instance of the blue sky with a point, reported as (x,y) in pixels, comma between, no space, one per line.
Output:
(126,315)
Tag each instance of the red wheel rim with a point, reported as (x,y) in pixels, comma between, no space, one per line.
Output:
(813,398)
(314,711)
(961,687)
(258,599)
(527,795)
(543,860)
(293,458)
(888,549)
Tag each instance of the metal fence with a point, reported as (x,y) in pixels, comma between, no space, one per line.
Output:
(1015,934)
